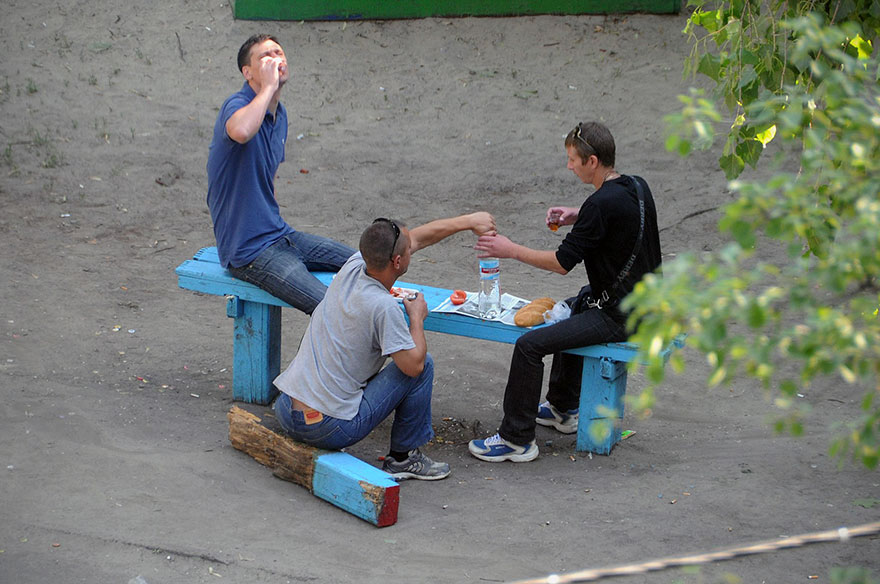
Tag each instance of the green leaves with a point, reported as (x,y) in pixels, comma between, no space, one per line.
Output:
(744,233)
(732,165)
(786,76)
(710,66)
(694,127)
(753,49)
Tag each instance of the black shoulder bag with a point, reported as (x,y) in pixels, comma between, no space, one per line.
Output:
(609,296)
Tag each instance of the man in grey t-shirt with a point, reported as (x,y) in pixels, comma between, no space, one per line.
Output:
(335,390)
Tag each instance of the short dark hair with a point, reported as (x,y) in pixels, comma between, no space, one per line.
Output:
(244,53)
(376,241)
(592,138)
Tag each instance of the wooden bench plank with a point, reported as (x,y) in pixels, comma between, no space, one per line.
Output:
(337,477)
(353,485)
(211,278)
(201,275)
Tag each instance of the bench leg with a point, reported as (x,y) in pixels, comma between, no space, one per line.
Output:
(603,386)
(256,350)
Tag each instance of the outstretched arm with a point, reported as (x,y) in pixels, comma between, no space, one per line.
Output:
(481,223)
(498,246)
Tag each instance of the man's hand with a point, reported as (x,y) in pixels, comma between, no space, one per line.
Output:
(498,246)
(412,361)
(561,215)
(482,223)
(495,246)
(267,76)
(416,308)
(271,71)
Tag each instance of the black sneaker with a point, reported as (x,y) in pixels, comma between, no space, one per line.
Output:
(416,466)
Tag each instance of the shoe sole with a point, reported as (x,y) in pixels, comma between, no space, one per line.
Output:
(557,425)
(402,476)
(526,456)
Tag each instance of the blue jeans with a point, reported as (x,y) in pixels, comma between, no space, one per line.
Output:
(523,392)
(388,391)
(282,269)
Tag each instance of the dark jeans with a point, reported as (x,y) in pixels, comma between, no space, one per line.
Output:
(282,269)
(523,393)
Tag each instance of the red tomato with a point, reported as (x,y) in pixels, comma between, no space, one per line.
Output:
(458,297)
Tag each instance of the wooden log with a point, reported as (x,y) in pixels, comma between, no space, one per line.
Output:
(337,477)
(288,459)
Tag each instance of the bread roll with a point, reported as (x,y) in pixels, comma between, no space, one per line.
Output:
(533,312)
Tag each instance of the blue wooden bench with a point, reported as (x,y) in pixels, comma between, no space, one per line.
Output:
(257,346)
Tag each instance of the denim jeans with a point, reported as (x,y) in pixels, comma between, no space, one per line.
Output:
(282,269)
(388,391)
(523,392)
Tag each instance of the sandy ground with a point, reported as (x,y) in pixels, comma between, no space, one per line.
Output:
(115,383)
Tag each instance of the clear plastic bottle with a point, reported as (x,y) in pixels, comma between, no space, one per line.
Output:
(490,288)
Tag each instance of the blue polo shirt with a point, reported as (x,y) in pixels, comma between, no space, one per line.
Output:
(241,184)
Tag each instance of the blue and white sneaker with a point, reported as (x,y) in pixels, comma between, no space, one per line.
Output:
(565,422)
(497,449)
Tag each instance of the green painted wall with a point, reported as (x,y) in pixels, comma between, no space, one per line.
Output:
(388,9)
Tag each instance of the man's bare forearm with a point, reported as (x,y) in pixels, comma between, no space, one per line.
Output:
(245,123)
(437,230)
(543,259)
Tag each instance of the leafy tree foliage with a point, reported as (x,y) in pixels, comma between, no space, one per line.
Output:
(799,79)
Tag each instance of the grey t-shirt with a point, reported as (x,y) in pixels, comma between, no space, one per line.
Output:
(350,335)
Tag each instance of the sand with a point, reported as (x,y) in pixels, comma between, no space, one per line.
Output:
(115,383)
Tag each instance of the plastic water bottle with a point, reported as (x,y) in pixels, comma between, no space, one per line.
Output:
(490,288)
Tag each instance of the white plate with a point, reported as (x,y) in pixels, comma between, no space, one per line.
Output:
(401,293)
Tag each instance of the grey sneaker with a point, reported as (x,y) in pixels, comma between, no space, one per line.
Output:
(565,422)
(416,466)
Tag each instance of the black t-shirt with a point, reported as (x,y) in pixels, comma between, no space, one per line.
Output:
(605,233)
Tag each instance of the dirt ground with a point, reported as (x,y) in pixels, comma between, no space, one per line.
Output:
(115,383)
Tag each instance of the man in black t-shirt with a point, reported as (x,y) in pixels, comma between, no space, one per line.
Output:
(615,234)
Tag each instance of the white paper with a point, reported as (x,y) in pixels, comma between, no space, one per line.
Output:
(509,306)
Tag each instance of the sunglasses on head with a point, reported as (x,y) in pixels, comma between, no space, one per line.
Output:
(396,233)
(578,136)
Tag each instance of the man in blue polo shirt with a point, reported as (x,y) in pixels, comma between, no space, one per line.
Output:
(253,241)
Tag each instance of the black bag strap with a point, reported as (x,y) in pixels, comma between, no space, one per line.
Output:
(611,293)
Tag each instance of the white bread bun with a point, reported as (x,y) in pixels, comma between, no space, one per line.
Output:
(533,312)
